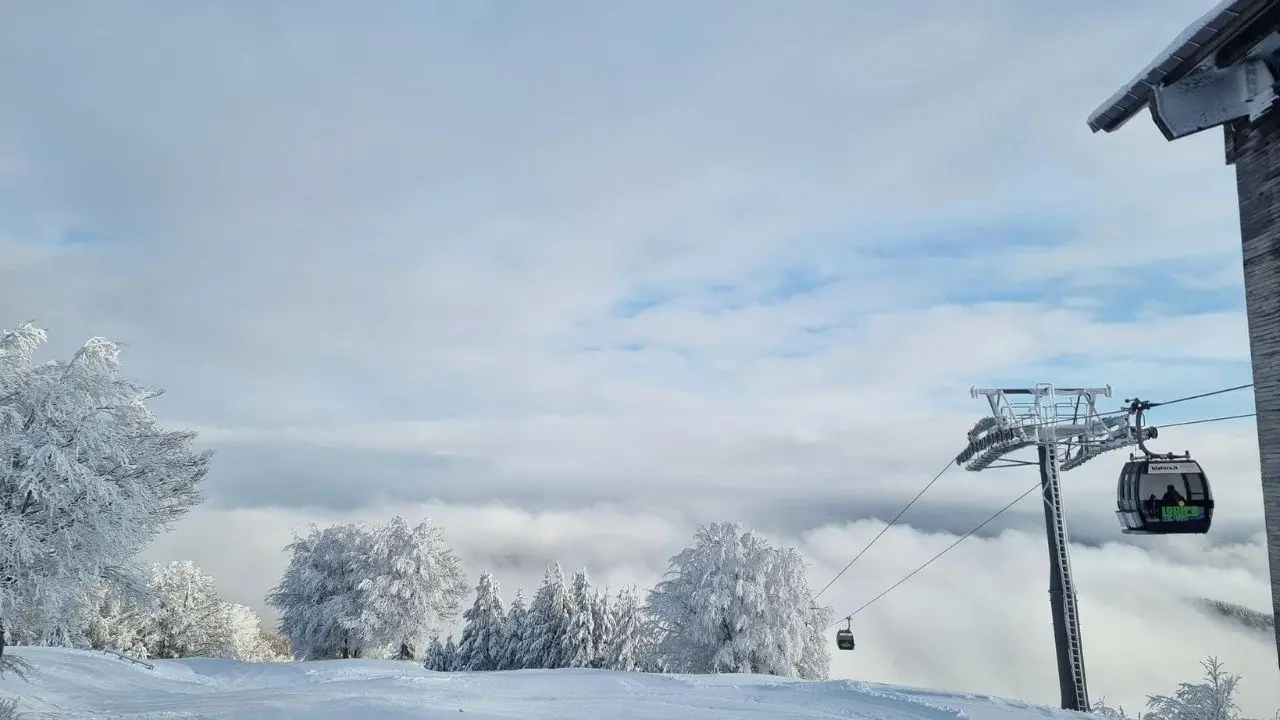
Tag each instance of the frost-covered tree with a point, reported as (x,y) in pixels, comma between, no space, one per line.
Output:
(449,655)
(814,662)
(244,636)
(354,591)
(547,623)
(116,618)
(733,603)
(188,619)
(580,641)
(319,597)
(413,582)
(1213,699)
(1101,708)
(602,627)
(481,646)
(89,477)
(626,641)
(433,658)
(513,635)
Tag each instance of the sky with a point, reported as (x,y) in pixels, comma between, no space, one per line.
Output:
(572,278)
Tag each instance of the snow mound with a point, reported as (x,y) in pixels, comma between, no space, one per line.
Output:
(83,684)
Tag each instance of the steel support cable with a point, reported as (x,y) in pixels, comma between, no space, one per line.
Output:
(880,534)
(1005,509)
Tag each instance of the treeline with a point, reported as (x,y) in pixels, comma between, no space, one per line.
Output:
(572,625)
(730,602)
(178,614)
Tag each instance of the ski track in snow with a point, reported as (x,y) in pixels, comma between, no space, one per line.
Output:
(82,684)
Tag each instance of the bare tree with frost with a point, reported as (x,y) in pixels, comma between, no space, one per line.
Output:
(116,618)
(352,591)
(245,639)
(319,595)
(1213,699)
(482,644)
(413,582)
(89,477)
(189,619)
(731,603)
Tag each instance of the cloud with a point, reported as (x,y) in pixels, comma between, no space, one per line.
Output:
(574,279)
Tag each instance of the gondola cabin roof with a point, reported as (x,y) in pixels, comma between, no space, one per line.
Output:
(1211,38)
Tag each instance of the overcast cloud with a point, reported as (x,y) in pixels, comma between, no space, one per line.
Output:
(571,278)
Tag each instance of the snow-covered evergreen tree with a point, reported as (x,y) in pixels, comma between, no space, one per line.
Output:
(189,619)
(412,582)
(513,635)
(481,646)
(547,623)
(1213,699)
(433,658)
(580,647)
(318,597)
(449,655)
(602,625)
(732,603)
(625,642)
(90,478)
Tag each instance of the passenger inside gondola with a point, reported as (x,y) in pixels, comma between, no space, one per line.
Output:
(1150,506)
(1172,496)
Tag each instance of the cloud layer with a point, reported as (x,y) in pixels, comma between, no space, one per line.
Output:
(572,279)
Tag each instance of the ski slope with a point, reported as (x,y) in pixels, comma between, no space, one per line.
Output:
(84,684)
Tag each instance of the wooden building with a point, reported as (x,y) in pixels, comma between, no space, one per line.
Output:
(1222,71)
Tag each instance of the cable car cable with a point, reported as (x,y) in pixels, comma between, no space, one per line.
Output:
(1209,420)
(931,560)
(1017,500)
(943,471)
(890,524)
(1201,395)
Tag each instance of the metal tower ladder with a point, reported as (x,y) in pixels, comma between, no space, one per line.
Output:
(1075,649)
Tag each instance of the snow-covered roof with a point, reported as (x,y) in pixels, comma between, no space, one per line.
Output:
(1200,40)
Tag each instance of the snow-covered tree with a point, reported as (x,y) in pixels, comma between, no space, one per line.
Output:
(732,603)
(433,658)
(244,636)
(89,479)
(319,597)
(413,582)
(1101,708)
(628,629)
(602,626)
(580,646)
(116,618)
(547,623)
(354,591)
(189,619)
(482,646)
(513,635)
(1213,699)
(814,662)
(449,656)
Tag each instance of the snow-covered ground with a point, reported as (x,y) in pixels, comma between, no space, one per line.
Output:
(84,684)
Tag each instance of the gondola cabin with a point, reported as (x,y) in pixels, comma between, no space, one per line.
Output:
(1163,496)
(844,639)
